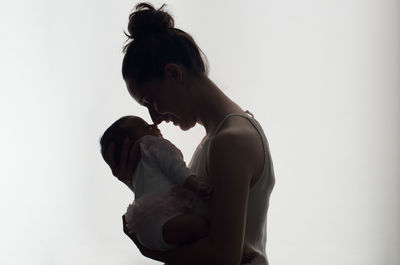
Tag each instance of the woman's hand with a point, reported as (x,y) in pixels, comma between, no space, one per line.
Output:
(128,160)
(149,253)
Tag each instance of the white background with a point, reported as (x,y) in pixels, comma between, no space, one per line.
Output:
(321,76)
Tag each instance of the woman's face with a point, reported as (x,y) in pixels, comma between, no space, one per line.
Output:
(165,101)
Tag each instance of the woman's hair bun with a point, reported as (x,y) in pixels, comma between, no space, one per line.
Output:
(147,20)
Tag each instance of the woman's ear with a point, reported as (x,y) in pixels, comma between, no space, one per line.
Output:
(173,72)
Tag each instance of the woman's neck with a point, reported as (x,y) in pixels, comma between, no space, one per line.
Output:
(211,105)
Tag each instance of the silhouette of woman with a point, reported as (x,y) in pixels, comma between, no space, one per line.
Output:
(165,71)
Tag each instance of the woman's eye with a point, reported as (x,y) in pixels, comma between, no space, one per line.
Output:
(146,101)
(149,103)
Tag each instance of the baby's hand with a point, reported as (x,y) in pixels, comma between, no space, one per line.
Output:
(202,189)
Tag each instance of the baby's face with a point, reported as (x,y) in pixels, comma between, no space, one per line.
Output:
(141,128)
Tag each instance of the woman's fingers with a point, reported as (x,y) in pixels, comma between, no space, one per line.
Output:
(110,158)
(123,167)
(124,154)
(131,162)
(124,170)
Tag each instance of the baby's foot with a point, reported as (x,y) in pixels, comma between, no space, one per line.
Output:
(248,255)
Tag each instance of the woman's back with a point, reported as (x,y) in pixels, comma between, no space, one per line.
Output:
(257,208)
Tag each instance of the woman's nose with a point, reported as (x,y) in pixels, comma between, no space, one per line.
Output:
(155,116)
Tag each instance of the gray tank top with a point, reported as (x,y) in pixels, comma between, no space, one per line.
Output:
(257,208)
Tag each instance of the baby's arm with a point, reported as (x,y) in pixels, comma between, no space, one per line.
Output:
(170,160)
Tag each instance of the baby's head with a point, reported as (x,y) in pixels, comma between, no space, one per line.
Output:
(131,127)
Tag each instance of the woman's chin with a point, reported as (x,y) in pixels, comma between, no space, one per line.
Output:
(184,128)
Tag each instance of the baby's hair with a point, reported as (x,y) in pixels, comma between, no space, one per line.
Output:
(115,134)
(154,42)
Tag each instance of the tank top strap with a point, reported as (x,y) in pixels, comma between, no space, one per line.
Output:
(230,115)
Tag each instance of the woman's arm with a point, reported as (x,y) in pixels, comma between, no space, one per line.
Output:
(179,256)
(231,164)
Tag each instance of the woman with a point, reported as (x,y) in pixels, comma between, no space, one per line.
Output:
(165,72)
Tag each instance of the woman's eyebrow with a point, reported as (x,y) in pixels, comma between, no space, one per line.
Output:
(145,101)
(141,99)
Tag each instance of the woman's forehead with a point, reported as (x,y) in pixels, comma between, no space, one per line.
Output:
(132,87)
(138,91)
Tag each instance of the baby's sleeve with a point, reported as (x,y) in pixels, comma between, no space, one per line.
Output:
(170,160)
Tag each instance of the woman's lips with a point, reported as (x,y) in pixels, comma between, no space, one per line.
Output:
(158,120)
(167,119)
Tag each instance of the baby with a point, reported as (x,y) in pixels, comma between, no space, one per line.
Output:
(164,187)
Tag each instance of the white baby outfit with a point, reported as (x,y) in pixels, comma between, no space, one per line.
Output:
(159,195)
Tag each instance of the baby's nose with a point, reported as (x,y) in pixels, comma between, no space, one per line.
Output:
(153,126)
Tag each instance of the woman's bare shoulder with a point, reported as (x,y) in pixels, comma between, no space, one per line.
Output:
(236,144)
(241,132)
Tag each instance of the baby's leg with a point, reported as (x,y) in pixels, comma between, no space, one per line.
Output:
(185,228)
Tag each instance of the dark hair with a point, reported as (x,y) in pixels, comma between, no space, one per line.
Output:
(154,43)
(116,134)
